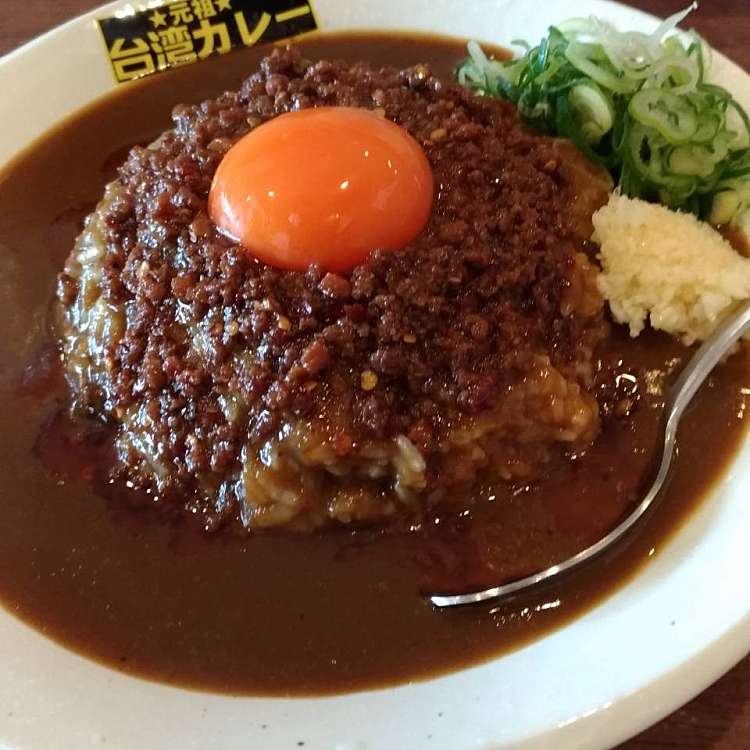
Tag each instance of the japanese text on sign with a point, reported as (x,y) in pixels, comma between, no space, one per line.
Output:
(186,31)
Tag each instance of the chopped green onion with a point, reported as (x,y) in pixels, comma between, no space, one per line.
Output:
(582,58)
(593,111)
(691,160)
(725,205)
(638,103)
(671,115)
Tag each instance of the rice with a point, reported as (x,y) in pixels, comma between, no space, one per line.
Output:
(667,268)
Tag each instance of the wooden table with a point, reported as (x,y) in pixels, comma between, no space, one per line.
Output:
(719,719)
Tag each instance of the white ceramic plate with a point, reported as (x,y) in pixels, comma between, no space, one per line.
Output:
(646,650)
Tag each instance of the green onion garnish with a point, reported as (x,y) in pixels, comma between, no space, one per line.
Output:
(637,103)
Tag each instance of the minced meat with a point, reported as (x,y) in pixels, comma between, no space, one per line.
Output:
(209,360)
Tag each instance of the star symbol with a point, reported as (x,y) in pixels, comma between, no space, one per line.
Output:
(223,4)
(157,19)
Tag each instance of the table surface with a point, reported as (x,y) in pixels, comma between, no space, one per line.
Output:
(719,719)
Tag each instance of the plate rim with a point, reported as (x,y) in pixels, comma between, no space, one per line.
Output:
(601,728)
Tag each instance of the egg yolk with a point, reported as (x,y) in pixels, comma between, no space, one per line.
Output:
(327,185)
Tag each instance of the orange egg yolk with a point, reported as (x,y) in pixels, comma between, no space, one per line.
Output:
(327,185)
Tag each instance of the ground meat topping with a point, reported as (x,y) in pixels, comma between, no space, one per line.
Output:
(404,344)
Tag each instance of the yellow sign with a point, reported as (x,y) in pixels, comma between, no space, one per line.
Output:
(186,31)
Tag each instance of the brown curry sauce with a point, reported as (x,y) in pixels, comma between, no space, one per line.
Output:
(105,571)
